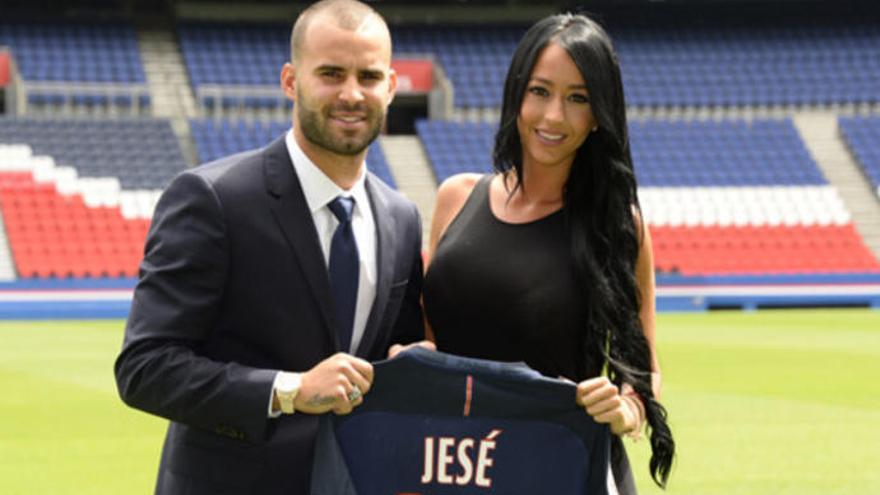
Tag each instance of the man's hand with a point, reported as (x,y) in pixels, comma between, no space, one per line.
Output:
(328,386)
(397,348)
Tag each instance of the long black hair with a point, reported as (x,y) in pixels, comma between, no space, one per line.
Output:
(599,204)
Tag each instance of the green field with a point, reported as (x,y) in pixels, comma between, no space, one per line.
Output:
(782,402)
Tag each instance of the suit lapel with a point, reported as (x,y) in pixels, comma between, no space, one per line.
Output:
(386,240)
(292,214)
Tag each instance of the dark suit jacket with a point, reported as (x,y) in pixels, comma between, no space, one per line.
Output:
(234,287)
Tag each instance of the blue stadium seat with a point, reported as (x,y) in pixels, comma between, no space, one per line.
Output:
(74,52)
(142,153)
(721,64)
(862,135)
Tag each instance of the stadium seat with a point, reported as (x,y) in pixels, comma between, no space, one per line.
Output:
(862,135)
(80,231)
(83,52)
(140,153)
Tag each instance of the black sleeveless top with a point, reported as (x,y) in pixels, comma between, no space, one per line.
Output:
(507,292)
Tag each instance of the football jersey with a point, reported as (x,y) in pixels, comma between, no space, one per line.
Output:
(437,424)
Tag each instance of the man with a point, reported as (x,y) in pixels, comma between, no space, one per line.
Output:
(271,277)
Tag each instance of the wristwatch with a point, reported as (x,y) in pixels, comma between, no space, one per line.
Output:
(286,387)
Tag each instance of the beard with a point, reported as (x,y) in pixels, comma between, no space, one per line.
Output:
(315,126)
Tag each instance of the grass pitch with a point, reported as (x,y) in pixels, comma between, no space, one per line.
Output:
(769,402)
(65,431)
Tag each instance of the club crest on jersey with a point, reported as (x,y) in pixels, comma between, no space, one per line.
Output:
(459,461)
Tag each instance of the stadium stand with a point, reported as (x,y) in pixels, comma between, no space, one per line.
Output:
(862,135)
(261,49)
(102,61)
(218,138)
(721,198)
(720,63)
(87,217)
(61,226)
(142,153)
(257,52)
(456,147)
(762,249)
(725,153)
(740,65)
(737,198)
(461,48)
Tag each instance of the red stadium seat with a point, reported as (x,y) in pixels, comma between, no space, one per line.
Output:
(53,235)
(761,250)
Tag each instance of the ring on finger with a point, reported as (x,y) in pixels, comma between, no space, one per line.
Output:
(355,394)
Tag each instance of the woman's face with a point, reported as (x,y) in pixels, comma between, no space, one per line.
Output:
(555,117)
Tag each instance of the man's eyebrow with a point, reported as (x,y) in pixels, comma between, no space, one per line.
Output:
(339,68)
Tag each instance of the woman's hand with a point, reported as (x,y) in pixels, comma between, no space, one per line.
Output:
(603,401)
(398,348)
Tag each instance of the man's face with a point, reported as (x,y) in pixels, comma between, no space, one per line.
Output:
(341,84)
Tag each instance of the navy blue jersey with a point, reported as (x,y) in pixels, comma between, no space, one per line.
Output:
(436,424)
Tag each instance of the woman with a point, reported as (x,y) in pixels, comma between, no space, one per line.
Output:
(547,260)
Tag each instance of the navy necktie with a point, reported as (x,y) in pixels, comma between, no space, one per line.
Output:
(344,270)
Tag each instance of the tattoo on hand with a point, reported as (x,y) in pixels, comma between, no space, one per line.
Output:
(319,400)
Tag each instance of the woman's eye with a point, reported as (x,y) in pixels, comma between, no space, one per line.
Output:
(579,98)
(539,91)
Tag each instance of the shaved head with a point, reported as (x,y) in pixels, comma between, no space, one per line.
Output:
(350,15)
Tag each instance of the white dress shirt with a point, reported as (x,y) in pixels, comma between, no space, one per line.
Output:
(319,191)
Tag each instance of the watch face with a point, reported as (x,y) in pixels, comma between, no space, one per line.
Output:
(288,383)
(286,390)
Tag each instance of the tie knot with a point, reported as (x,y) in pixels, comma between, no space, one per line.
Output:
(342,208)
